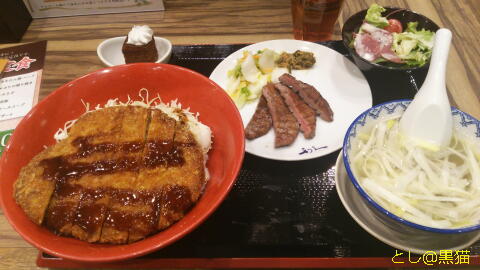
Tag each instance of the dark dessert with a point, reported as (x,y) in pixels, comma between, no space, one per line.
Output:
(139,45)
(141,53)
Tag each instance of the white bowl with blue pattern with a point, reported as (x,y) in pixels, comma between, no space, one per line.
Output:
(463,123)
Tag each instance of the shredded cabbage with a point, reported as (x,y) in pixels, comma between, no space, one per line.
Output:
(439,189)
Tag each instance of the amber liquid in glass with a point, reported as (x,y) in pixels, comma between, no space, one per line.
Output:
(314,20)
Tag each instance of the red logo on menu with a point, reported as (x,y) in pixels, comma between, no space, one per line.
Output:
(17,66)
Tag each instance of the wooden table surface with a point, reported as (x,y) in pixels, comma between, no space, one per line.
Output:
(72,43)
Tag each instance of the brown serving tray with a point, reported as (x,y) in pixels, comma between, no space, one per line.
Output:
(280,214)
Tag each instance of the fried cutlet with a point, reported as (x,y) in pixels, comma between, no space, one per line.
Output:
(162,130)
(75,199)
(32,191)
(182,180)
(122,174)
(131,137)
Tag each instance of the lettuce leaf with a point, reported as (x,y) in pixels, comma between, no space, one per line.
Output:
(413,46)
(374,16)
(425,37)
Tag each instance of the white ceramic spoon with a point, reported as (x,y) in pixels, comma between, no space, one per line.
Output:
(428,119)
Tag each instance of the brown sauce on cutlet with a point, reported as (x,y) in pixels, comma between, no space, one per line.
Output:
(163,154)
(62,213)
(59,169)
(91,215)
(124,221)
(86,148)
(171,198)
(177,199)
(159,153)
(59,216)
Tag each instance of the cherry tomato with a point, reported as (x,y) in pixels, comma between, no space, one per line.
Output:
(394,26)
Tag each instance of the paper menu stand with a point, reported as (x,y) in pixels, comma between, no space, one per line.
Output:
(19,84)
(58,8)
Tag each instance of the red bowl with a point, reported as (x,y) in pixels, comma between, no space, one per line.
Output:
(172,82)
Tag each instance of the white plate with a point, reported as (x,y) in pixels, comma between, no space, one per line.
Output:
(338,80)
(110,51)
(416,242)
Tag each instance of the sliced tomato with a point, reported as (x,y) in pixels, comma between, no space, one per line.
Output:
(394,26)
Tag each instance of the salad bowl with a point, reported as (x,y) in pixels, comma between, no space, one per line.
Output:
(411,77)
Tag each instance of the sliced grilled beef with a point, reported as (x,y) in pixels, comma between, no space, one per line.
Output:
(310,95)
(305,115)
(261,121)
(284,123)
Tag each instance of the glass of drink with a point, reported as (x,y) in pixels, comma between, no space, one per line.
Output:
(313,20)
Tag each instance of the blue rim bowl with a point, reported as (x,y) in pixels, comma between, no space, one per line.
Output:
(462,118)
